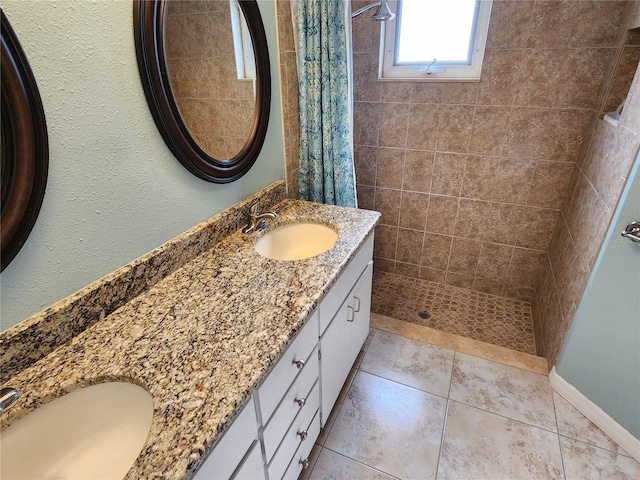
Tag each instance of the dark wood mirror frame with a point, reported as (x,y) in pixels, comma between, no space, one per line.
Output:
(148,19)
(25,147)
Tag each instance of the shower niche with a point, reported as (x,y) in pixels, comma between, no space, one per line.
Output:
(625,69)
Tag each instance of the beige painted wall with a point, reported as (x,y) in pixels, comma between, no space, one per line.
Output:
(115,191)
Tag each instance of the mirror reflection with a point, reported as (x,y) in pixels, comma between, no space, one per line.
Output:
(211,70)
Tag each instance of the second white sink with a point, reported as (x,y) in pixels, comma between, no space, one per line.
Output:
(93,432)
(296,241)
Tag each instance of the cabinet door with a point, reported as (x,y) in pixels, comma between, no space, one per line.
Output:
(343,340)
(232,447)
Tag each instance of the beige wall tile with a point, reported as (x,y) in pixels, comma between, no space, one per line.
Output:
(387,202)
(442,214)
(493,262)
(436,250)
(413,210)
(459,280)
(366,162)
(366,123)
(537,227)
(365,197)
(489,130)
(455,128)
(464,256)
(509,24)
(393,124)
(448,174)
(422,133)
(410,246)
(418,168)
(479,177)
(514,179)
(389,167)
(550,184)
(385,241)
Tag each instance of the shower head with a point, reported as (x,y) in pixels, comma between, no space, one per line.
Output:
(383,13)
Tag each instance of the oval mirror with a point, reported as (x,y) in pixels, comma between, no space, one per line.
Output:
(24,147)
(205,71)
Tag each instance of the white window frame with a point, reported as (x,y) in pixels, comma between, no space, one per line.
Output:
(434,71)
(243,48)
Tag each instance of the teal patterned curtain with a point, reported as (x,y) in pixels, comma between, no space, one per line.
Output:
(326,173)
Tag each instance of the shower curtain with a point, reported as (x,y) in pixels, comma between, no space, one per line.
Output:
(326,171)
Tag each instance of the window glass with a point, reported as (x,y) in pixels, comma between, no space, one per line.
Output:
(435,39)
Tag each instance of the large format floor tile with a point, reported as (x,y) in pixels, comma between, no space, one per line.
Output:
(390,427)
(582,461)
(333,466)
(479,444)
(500,422)
(507,391)
(409,362)
(572,423)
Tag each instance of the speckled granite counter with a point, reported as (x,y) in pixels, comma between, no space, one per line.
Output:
(200,339)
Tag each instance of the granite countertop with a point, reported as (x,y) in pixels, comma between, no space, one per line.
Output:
(201,339)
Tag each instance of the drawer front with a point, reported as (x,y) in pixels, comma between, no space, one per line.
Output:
(252,467)
(344,284)
(291,405)
(286,370)
(232,447)
(292,439)
(300,460)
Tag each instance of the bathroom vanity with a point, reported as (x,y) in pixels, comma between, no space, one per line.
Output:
(244,356)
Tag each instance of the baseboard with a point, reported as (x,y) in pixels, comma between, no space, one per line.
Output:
(594,413)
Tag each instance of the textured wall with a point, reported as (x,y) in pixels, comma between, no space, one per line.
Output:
(470,177)
(114,191)
(216,106)
(600,176)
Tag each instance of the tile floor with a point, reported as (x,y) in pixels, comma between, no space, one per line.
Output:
(489,318)
(411,410)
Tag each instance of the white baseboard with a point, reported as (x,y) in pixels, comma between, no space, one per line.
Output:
(594,413)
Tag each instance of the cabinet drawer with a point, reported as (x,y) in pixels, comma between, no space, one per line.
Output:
(292,439)
(289,407)
(343,285)
(286,370)
(232,447)
(252,467)
(304,450)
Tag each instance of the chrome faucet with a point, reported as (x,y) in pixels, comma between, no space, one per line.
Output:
(257,221)
(8,396)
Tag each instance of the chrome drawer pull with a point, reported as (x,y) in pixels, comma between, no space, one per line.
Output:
(299,363)
(303,435)
(358,307)
(300,401)
(304,463)
(351,315)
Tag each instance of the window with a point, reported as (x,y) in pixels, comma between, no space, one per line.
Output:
(435,40)
(243,48)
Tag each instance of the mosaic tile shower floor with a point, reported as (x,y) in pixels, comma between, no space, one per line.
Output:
(489,318)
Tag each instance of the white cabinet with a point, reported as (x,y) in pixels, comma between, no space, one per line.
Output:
(274,434)
(235,449)
(342,340)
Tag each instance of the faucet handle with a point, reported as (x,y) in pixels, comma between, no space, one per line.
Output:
(254,209)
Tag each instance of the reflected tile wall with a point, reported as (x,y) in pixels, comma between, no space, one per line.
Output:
(598,181)
(470,177)
(217,107)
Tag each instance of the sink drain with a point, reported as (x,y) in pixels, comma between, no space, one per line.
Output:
(424,315)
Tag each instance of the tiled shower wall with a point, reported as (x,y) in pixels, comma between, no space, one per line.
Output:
(470,177)
(601,173)
(497,201)
(289,90)
(204,79)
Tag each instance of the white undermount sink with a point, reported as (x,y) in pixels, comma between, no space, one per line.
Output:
(93,432)
(296,241)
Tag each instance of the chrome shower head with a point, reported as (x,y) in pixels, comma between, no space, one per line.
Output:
(383,13)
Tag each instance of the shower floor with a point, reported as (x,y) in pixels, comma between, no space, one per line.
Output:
(489,318)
